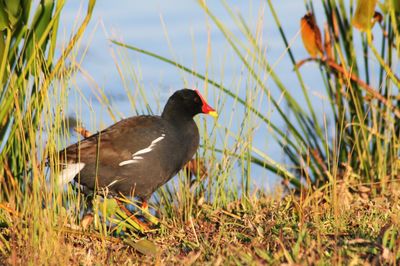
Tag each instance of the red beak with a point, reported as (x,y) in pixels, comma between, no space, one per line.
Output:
(206,109)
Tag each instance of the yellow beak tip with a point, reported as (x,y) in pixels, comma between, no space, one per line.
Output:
(213,114)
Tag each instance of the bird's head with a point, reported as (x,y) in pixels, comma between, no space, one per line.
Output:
(187,102)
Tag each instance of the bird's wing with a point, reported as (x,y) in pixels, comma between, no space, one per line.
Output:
(122,140)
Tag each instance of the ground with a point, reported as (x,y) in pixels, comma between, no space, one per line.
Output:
(339,224)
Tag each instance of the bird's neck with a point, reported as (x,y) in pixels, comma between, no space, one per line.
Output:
(176,116)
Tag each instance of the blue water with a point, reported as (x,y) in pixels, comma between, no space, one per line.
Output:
(180,30)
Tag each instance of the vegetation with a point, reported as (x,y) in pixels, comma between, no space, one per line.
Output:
(340,199)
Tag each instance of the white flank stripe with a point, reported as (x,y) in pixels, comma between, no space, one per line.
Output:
(69,172)
(151,147)
(136,158)
(128,162)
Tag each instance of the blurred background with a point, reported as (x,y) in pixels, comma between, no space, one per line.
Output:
(180,30)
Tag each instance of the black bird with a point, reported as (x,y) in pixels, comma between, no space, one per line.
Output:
(137,155)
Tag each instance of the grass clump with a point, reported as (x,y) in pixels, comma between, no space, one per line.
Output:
(314,227)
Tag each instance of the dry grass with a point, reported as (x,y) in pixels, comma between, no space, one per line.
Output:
(339,224)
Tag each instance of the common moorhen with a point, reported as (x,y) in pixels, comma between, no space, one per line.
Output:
(139,154)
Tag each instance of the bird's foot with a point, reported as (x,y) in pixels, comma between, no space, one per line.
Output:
(153,220)
(148,224)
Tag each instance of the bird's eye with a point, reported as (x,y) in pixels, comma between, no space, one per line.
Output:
(196,100)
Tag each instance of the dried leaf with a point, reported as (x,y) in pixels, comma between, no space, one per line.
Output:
(191,258)
(378,17)
(82,131)
(311,35)
(87,220)
(362,19)
(358,241)
(196,167)
(364,189)
(364,196)
(144,246)
(386,254)
(328,43)
(335,25)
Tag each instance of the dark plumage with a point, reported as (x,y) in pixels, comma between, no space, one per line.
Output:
(138,155)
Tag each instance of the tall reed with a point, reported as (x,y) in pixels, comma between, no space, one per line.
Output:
(364,112)
(33,84)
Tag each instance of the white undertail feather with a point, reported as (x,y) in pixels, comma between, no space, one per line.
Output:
(69,171)
(136,158)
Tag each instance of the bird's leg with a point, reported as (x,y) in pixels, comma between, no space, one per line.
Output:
(139,224)
(145,211)
(145,205)
(87,218)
